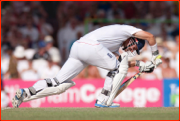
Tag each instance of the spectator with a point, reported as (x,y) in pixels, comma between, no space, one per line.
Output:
(101,14)
(30,73)
(177,63)
(2,86)
(24,16)
(31,31)
(29,53)
(4,95)
(41,53)
(115,12)
(18,6)
(14,36)
(44,27)
(37,9)
(142,9)
(129,9)
(53,51)
(177,55)
(65,39)
(50,71)
(173,47)
(169,27)
(167,71)
(62,43)
(12,72)
(92,9)
(154,11)
(6,50)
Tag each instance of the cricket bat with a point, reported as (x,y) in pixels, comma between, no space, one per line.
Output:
(130,80)
(127,83)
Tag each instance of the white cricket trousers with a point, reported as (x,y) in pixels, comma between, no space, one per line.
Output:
(83,54)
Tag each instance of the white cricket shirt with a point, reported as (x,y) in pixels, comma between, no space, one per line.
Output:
(111,36)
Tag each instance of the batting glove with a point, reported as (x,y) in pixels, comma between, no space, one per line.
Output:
(156,58)
(147,67)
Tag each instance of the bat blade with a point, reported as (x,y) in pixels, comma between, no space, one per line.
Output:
(127,83)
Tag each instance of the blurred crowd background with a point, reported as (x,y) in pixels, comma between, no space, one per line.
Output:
(36,37)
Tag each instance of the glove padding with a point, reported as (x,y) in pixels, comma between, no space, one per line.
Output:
(147,67)
(156,59)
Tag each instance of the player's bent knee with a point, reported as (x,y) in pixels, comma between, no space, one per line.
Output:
(118,78)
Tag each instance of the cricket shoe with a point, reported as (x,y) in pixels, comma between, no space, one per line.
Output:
(18,98)
(99,104)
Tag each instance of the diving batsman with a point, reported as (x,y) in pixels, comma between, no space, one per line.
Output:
(98,48)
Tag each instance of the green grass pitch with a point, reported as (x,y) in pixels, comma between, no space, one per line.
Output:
(154,113)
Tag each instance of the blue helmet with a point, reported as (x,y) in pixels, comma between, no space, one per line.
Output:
(140,44)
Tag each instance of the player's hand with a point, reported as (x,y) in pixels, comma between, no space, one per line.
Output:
(147,67)
(156,59)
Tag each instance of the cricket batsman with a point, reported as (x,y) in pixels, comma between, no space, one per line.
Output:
(98,48)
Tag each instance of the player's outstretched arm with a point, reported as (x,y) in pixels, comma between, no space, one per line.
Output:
(156,58)
(146,36)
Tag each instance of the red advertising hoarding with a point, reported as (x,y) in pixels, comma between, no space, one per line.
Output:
(141,93)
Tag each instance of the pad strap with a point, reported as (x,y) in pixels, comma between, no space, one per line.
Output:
(57,82)
(120,59)
(105,92)
(111,74)
(32,90)
(155,53)
(49,82)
